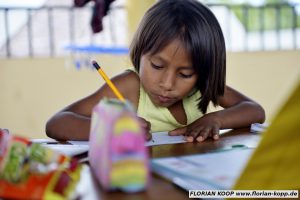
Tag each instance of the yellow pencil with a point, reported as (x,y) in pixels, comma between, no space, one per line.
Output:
(108,81)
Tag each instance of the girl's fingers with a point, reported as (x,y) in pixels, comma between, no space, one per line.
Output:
(198,134)
(215,133)
(192,135)
(178,131)
(203,135)
(147,127)
(148,136)
(189,138)
(145,124)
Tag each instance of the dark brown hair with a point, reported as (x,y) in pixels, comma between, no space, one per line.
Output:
(198,29)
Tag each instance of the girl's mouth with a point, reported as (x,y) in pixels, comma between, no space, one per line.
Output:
(164,99)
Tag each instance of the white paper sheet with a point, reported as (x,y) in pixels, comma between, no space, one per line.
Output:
(160,138)
(78,147)
(203,171)
(75,142)
(258,128)
(68,149)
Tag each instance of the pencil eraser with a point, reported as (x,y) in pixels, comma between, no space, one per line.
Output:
(95,64)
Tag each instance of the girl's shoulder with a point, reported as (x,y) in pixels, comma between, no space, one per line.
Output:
(128,78)
(132,70)
(128,83)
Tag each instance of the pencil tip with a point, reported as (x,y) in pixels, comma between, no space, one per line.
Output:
(95,64)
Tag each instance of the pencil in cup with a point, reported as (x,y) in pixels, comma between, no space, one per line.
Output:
(108,81)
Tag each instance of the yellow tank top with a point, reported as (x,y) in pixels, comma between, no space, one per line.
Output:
(161,118)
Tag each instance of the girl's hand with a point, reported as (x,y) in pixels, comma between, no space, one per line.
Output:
(201,129)
(147,126)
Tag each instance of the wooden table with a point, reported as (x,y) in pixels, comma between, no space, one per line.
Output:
(164,189)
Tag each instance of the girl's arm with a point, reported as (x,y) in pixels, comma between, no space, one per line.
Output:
(73,122)
(239,111)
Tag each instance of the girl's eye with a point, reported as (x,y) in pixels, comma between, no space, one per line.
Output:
(155,66)
(185,75)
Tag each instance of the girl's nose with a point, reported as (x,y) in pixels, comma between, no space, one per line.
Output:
(167,81)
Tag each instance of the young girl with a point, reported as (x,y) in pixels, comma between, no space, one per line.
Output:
(179,57)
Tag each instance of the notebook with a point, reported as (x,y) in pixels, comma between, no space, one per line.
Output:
(218,170)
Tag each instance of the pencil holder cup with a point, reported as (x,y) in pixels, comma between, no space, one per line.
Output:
(117,155)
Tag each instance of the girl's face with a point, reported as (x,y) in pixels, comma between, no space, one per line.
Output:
(167,76)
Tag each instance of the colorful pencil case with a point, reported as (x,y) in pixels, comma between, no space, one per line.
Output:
(117,155)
